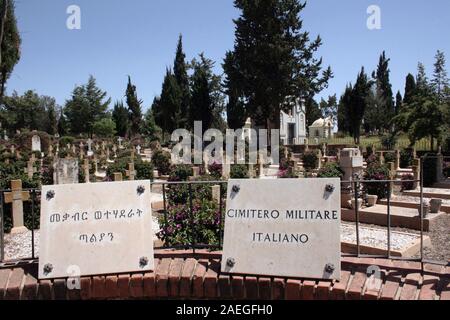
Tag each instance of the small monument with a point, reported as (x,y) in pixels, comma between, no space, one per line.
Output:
(36,143)
(65,171)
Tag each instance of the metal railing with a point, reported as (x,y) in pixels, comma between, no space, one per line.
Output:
(193,244)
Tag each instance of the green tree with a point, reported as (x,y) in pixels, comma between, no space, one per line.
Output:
(312,111)
(440,79)
(85,107)
(167,110)
(134,108)
(236,113)
(275,58)
(398,102)
(105,128)
(151,129)
(120,117)
(329,107)
(358,104)
(410,87)
(52,125)
(207,100)
(10,43)
(180,70)
(343,106)
(384,91)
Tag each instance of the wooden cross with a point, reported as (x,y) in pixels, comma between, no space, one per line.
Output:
(86,168)
(17,196)
(131,173)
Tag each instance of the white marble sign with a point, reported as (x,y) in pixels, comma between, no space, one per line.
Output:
(98,228)
(283,227)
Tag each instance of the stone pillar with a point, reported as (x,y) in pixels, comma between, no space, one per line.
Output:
(17,196)
(397,159)
(195,171)
(251,172)
(118,176)
(416,172)
(215,189)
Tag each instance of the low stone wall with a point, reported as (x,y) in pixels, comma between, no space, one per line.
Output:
(181,275)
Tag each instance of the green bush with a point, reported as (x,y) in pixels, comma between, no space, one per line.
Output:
(331,170)
(389,157)
(180,172)
(182,228)
(144,170)
(406,158)
(65,140)
(310,160)
(407,185)
(105,127)
(162,161)
(215,170)
(376,171)
(239,171)
(179,193)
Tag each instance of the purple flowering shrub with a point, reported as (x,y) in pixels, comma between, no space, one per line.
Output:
(215,170)
(180,228)
(376,171)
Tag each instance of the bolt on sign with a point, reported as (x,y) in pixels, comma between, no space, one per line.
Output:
(95,228)
(285,227)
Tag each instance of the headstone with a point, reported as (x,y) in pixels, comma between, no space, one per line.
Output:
(195,171)
(131,173)
(120,142)
(65,171)
(95,229)
(351,162)
(293,232)
(86,168)
(36,143)
(118,176)
(90,153)
(17,196)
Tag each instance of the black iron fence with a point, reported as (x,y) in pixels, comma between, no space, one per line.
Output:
(193,243)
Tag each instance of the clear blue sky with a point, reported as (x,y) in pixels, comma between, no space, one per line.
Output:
(138,38)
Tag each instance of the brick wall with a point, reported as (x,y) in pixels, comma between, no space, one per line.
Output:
(178,274)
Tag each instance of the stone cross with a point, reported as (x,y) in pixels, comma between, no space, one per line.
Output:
(215,191)
(13,149)
(74,149)
(50,151)
(30,169)
(114,148)
(86,168)
(17,196)
(96,165)
(131,173)
(90,153)
(118,176)
(138,149)
(120,142)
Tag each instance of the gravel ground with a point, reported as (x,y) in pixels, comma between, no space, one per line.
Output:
(376,238)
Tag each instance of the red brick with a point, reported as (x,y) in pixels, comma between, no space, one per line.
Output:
(149,285)
(410,286)
(111,288)
(225,286)
(391,286)
(45,290)
(307,292)
(339,287)
(237,285)
(162,278)
(356,286)
(186,277)
(14,284)
(174,276)
(264,288)
(86,289)
(251,288)
(29,291)
(198,278)
(136,286)
(211,278)
(278,289)
(123,284)
(4,276)
(293,289)
(323,290)
(429,287)
(98,287)
(60,289)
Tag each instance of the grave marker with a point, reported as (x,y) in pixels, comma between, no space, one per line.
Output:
(65,171)
(36,143)
(17,196)
(293,232)
(131,173)
(96,229)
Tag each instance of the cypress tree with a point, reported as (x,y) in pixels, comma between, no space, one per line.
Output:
(410,88)
(180,72)
(120,117)
(134,108)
